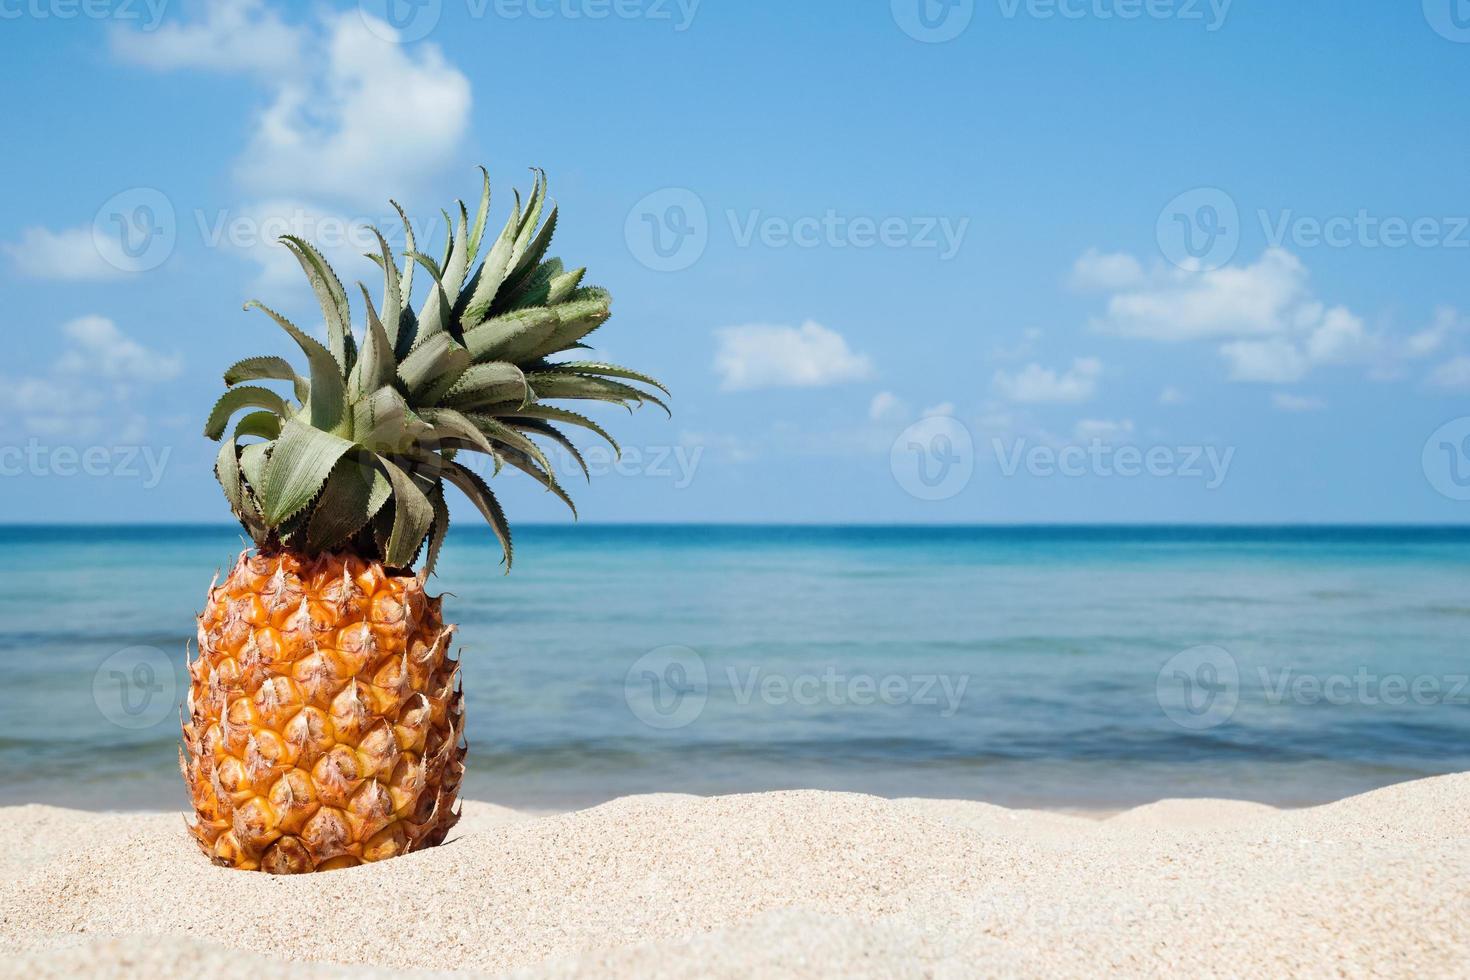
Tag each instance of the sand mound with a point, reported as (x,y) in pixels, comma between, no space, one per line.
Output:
(795,883)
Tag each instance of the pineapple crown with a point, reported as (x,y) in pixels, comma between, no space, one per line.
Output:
(356,456)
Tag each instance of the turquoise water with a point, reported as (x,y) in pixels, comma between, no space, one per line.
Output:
(1037,666)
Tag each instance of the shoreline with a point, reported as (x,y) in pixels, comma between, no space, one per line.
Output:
(1290,789)
(794,882)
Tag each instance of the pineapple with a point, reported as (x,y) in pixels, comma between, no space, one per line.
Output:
(325,720)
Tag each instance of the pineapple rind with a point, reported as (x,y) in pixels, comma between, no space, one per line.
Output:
(324,720)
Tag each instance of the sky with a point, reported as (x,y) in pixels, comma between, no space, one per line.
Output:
(931,261)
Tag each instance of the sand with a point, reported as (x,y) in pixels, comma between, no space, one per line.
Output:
(774,884)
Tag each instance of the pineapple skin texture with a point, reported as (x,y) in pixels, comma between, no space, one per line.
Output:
(324,718)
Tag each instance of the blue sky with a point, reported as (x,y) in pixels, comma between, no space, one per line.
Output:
(896,277)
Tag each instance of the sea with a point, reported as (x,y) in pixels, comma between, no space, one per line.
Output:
(1074,668)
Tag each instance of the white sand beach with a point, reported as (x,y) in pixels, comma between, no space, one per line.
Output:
(774,884)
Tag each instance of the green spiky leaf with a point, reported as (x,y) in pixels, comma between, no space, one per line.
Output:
(299,464)
(358,461)
(245,396)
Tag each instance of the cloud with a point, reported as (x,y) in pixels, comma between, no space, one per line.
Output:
(809,356)
(943,408)
(886,406)
(91,387)
(1025,347)
(71,255)
(1274,361)
(1102,430)
(253,232)
(1268,324)
(1297,403)
(1452,375)
(728,448)
(1096,270)
(378,117)
(233,36)
(351,117)
(1447,321)
(1036,384)
(1172,396)
(99,349)
(1336,337)
(1178,305)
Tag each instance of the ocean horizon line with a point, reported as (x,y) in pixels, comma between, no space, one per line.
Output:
(835,525)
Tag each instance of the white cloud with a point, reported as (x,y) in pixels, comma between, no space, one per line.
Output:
(352,116)
(943,408)
(91,388)
(1428,341)
(1111,271)
(886,406)
(1337,337)
(809,356)
(99,349)
(1036,384)
(729,448)
(1177,305)
(1025,347)
(70,254)
(1102,430)
(1297,403)
(1453,375)
(1269,325)
(233,36)
(1172,396)
(1274,361)
(253,232)
(378,117)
